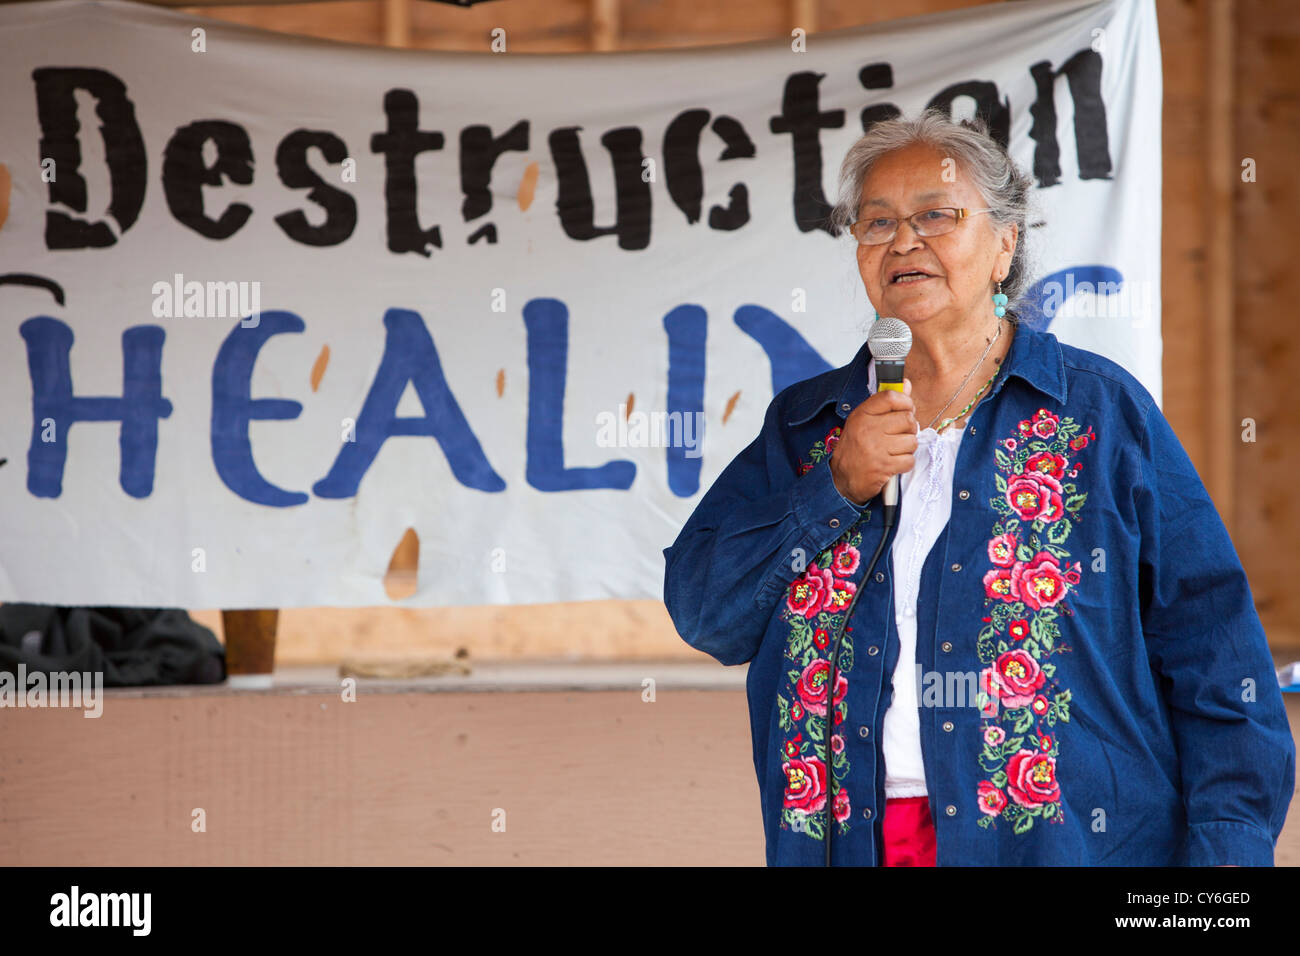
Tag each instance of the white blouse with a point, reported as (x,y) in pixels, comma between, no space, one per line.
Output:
(925,503)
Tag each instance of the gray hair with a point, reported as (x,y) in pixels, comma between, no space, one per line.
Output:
(1001,183)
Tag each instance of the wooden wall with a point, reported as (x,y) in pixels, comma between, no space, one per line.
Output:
(1228,273)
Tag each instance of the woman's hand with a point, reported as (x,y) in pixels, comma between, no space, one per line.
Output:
(878,442)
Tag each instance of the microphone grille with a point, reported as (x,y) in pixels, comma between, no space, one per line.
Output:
(889,338)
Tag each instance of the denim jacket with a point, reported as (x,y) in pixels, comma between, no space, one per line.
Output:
(1094,684)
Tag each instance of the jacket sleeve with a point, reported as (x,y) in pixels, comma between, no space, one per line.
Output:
(739,550)
(1205,640)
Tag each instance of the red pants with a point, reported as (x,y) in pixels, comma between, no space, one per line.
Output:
(909,832)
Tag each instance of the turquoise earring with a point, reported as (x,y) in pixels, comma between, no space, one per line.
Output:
(999,302)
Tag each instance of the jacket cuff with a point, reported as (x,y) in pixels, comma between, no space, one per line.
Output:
(818,503)
(1222,842)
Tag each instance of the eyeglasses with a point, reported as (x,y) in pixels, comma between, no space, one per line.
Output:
(926,223)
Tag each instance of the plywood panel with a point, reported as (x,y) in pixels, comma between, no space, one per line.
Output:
(1267,290)
(598,778)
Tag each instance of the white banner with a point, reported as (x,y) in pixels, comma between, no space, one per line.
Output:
(266,303)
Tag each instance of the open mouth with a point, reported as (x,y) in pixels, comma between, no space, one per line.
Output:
(907,277)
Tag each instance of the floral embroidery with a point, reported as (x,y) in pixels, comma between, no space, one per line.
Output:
(1020,701)
(816,607)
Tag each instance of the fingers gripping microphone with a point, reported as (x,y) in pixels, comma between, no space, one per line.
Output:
(889,342)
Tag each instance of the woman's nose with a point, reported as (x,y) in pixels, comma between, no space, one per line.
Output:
(905,238)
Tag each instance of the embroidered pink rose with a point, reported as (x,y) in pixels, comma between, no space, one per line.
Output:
(1046,463)
(837,744)
(805,784)
(994,736)
(1044,424)
(1039,582)
(1035,495)
(1018,629)
(998,584)
(808,592)
(840,805)
(1031,779)
(1002,550)
(837,599)
(992,800)
(812,686)
(1015,678)
(844,560)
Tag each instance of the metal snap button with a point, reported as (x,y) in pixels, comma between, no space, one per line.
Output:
(880,575)
(956,567)
(950,810)
(864,731)
(947,726)
(947,646)
(835,522)
(873,651)
(963,494)
(866,812)
(846,406)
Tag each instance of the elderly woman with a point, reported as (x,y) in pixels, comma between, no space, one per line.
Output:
(1059,660)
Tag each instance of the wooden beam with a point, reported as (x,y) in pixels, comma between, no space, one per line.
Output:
(803,14)
(604,25)
(1223,173)
(397,23)
(250,646)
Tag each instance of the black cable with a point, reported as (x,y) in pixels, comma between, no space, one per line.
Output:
(891,512)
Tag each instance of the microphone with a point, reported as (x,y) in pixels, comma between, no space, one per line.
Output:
(889,342)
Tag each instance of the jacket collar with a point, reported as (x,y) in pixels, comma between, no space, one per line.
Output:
(1035,357)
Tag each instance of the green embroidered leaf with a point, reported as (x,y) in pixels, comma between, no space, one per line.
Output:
(1000,505)
(1068,488)
(1074,502)
(999,779)
(990,761)
(1034,446)
(1013,744)
(813,727)
(984,821)
(1037,525)
(1057,551)
(1002,647)
(1032,647)
(1012,524)
(1059,531)
(1024,552)
(1022,456)
(1048,639)
(1049,811)
(1049,669)
(1025,721)
(1000,484)
(1047,614)
(1001,458)
(793,675)
(1024,824)
(1057,448)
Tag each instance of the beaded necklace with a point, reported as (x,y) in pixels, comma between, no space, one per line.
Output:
(948,421)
